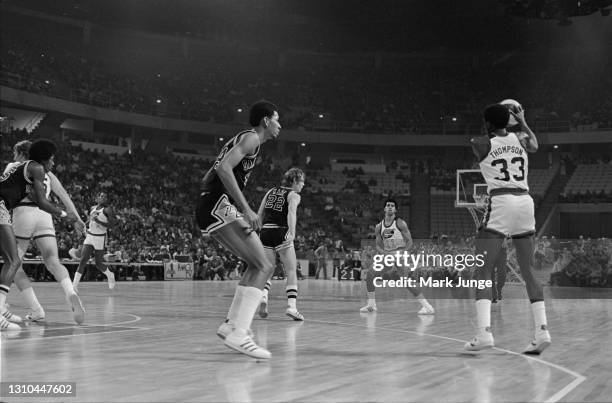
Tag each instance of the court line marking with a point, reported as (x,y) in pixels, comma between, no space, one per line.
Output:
(89,325)
(136,318)
(553,399)
(133,329)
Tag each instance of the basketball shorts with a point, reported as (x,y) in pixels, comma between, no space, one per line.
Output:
(5,215)
(275,238)
(510,215)
(98,241)
(214,211)
(30,222)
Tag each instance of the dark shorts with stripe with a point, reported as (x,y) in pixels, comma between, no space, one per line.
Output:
(275,238)
(214,211)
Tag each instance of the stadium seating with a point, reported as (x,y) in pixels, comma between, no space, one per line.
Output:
(590,179)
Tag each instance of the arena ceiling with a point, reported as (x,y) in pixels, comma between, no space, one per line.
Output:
(356,25)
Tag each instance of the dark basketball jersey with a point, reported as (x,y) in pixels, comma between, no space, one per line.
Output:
(212,183)
(276,207)
(14,185)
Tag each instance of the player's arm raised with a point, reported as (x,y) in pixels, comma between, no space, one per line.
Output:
(58,189)
(37,173)
(379,241)
(403,227)
(247,145)
(294,202)
(528,139)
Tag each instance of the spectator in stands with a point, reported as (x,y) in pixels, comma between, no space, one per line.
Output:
(322,255)
(215,267)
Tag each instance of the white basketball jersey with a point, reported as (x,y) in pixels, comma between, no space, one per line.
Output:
(391,236)
(506,165)
(47,181)
(94,227)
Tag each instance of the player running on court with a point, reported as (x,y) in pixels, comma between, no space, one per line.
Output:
(101,217)
(32,223)
(24,179)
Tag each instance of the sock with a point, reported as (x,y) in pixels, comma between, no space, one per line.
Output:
(371,298)
(539,314)
(266,289)
(107,273)
(251,297)
(67,286)
(31,300)
(77,278)
(291,296)
(3,292)
(483,315)
(231,314)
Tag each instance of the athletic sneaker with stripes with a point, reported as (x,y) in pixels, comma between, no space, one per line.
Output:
(240,341)
(11,317)
(6,325)
(294,314)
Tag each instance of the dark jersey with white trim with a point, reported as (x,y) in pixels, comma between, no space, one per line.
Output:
(212,183)
(14,185)
(276,207)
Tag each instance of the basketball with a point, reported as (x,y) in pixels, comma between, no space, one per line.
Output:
(513,106)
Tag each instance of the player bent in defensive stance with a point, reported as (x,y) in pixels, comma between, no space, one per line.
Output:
(217,215)
(392,235)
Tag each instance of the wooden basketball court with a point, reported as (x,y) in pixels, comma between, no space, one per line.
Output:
(156,342)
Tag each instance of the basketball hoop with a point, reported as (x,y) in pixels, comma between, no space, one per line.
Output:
(477,210)
(471,193)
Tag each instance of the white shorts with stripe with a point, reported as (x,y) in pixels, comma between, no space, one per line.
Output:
(510,215)
(30,222)
(5,215)
(98,241)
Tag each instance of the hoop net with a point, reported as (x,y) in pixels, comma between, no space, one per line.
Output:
(471,193)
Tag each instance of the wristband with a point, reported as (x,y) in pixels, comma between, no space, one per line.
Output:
(63,214)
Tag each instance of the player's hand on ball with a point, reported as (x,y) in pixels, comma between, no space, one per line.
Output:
(519,116)
(252,218)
